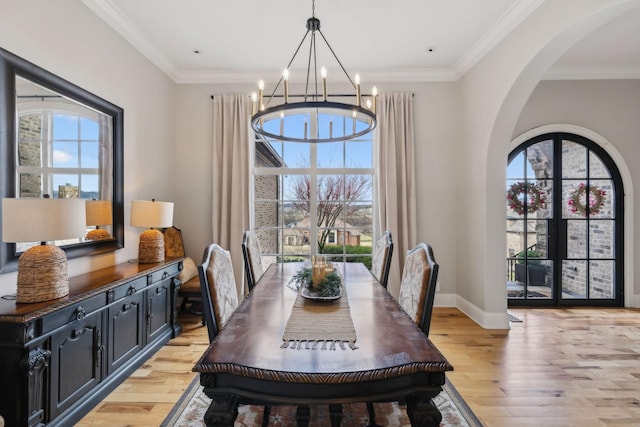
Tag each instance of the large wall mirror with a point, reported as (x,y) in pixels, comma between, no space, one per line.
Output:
(58,140)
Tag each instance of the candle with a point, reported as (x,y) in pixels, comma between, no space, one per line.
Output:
(260,93)
(281,124)
(285,76)
(254,100)
(358,103)
(374,94)
(323,73)
(354,121)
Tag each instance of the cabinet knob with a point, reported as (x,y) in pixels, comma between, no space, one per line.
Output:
(80,313)
(132,290)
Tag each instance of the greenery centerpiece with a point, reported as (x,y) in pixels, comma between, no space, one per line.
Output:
(326,287)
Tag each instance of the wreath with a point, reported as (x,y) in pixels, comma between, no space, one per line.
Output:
(577,199)
(536,197)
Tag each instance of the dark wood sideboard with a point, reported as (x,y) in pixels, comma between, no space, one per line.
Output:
(59,358)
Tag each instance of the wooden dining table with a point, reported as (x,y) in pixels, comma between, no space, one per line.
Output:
(257,358)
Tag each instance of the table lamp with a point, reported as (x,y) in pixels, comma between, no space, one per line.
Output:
(98,213)
(152,214)
(42,269)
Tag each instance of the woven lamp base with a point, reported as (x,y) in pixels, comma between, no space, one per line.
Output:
(42,274)
(151,247)
(98,234)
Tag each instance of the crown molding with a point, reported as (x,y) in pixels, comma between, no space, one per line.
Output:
(593,72)
(108,12)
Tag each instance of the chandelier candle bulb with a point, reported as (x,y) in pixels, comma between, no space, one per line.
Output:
(285,76)
(358,103)
(323,73)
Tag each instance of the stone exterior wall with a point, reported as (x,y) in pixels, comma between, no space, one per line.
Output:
(267,188)
(30,153)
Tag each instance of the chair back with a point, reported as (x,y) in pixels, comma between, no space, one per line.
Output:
(418,286)
(218,286)
(252,258)
(381,263)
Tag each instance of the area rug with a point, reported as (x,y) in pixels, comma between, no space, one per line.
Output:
(190,409)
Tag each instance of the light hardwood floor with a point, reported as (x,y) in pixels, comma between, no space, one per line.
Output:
(558,367)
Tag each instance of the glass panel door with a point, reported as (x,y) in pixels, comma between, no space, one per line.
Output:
(564,224)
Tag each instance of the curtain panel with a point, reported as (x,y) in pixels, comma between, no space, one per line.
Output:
(395,179)
(230,176)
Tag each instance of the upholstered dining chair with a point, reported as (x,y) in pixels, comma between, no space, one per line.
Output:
(418,285)
(417,292)
(381,262)
(218,288)
(220,296)
(252,258)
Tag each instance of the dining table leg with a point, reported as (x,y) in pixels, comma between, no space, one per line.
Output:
(303,415)
(222,411)
(335,414)
(422,411)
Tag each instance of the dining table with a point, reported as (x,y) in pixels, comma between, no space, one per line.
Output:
(284,347)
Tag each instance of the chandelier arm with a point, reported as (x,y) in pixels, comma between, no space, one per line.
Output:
(311,50)
(288,65)
(338,60)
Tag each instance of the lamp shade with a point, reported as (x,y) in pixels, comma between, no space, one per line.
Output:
(152,214)
(41,220)
(99,212)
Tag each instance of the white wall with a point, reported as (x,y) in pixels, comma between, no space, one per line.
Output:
(611,109)
(67,39)
(493,94)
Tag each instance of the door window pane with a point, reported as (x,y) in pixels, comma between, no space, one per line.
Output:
(574,160)
(574,279)
(601,239)
(601,279)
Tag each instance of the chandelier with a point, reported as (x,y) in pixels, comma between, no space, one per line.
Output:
(316,118)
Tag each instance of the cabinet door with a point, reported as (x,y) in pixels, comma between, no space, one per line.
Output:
(159,309)
(76,362)
(126,329)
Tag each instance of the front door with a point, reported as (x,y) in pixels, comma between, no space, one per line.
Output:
(564,223)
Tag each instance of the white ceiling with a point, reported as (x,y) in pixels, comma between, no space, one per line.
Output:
(245,40)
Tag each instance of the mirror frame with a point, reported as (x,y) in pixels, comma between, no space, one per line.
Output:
(12,66)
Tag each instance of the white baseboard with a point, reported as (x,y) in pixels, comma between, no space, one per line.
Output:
(636,301)
(486,320)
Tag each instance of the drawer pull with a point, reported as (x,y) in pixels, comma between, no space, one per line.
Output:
(77,332)
(127,307)
(165,275)
(132,290)
(80,313)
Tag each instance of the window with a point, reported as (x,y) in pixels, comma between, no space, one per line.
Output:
(58,155)
(314,198)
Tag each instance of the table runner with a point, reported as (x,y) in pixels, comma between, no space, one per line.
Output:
(320,325)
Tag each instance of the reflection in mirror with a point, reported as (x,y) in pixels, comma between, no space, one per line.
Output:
(59,140)
(63,150)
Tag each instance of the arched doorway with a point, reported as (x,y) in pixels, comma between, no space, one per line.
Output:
(564,223)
